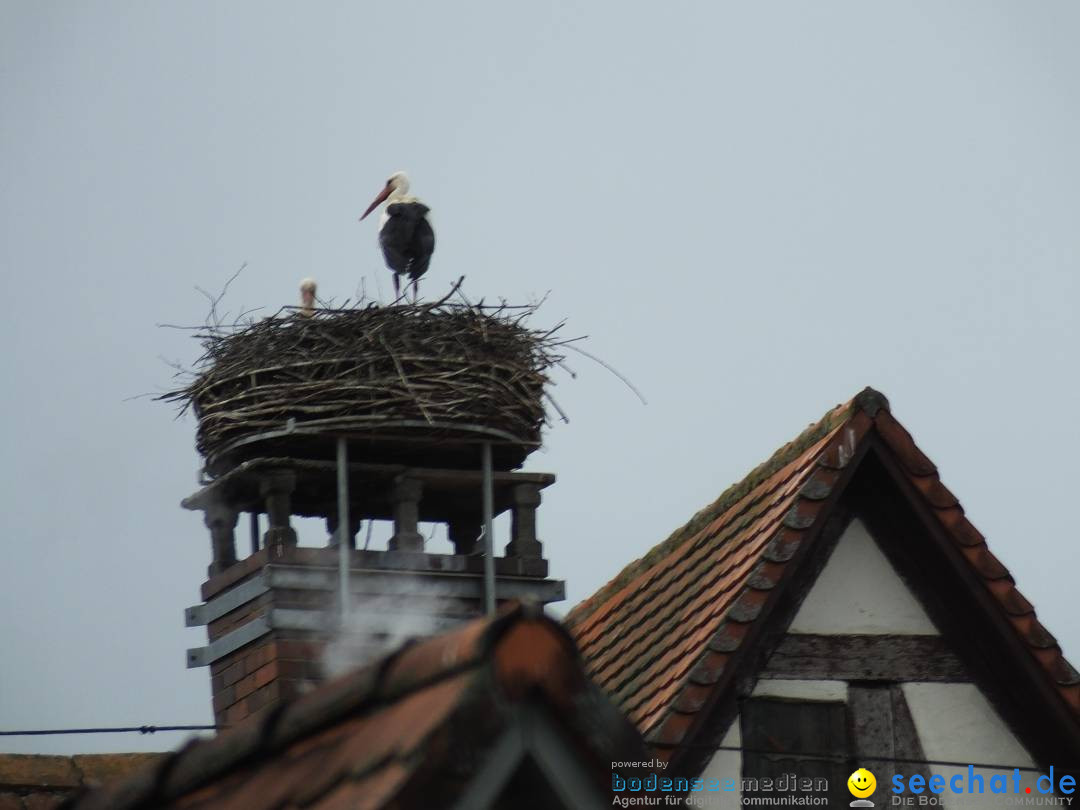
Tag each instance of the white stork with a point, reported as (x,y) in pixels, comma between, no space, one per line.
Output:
(405,235)
(307,297)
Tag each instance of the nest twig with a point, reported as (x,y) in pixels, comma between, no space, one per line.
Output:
(441,364)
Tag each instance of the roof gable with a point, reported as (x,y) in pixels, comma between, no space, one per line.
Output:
(677,633)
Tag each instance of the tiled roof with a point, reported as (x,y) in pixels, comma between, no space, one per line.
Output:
(40,782)
(658,637)
(406,731)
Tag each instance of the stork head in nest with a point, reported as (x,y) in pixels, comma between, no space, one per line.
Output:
(307,297)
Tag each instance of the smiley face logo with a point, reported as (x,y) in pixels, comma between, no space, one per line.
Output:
(861,783)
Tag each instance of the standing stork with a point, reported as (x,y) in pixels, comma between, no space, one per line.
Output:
(405,235)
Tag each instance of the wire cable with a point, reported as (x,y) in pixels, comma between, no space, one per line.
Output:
(114,730)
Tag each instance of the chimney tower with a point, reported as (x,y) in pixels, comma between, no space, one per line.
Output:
(383,414)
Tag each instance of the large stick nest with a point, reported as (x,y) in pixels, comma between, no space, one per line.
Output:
(428,370)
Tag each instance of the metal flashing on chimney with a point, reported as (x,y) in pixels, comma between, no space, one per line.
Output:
(229,601)
(435,591)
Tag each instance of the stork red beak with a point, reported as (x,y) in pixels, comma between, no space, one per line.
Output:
(382,196)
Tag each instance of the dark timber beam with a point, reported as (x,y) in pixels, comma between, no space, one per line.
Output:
(883,730)
(865,658)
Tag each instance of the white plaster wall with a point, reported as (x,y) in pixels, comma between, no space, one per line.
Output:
(859,591)
(956,723)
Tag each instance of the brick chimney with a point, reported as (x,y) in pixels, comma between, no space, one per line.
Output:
(271,613)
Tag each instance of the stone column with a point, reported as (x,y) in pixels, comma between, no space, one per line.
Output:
(523,542)
(277,487)
(406,500)
(221,521)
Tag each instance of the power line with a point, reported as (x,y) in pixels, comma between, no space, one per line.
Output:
(114,730)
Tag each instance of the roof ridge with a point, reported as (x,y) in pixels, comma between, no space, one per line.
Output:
(868,399)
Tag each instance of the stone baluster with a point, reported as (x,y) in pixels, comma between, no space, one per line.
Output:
(277,487)
(523,542)
(221,521)
(406,502)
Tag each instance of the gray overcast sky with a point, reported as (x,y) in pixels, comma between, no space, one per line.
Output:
(753,209)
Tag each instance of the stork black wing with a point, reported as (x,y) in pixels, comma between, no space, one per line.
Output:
(423,246)
(394,238)
(407,239)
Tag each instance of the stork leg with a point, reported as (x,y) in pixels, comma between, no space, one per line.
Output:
(415,289)
(397,287)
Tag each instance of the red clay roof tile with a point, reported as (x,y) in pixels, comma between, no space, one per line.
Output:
(963,532)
